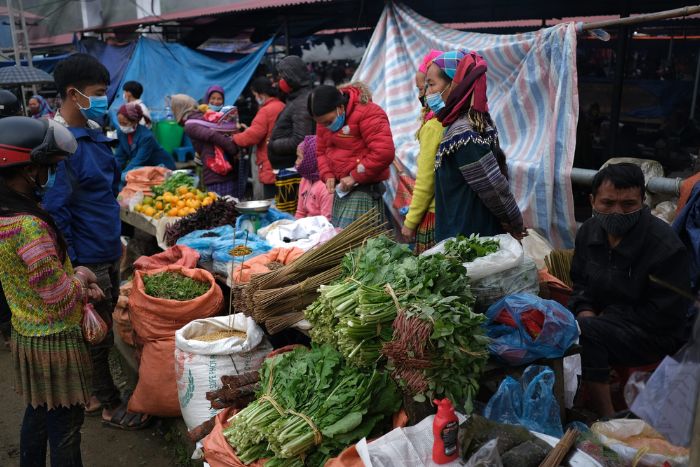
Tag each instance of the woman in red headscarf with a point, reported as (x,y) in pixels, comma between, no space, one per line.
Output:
(137,145)
(472,194)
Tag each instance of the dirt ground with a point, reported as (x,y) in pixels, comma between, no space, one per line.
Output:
(101,447)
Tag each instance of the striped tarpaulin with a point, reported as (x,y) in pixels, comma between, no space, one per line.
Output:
(533,97)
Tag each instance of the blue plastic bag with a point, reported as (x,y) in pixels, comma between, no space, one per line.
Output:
(222,258)
(529,402)
(253,222)
(203,240)
(543,329)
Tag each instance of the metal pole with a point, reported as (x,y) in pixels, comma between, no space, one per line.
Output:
(695,88)
(286,35)
(618,81)
(656,185)
(678,12)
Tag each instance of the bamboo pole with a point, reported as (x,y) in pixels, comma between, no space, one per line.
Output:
(677,13)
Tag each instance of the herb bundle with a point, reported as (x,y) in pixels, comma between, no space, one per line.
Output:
(310,407)
(467,249)
(173,183)
(171,285)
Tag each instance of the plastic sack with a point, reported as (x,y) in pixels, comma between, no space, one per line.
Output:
(529,402)
(199,365)
(668,401)
(635,385)
(120,316)
(639,444)
(202,241)
(303,233)
(536,247)
(253,222)
(258,265)
(509,255)
(524,328)
(180,255)
(222,259)
(522,278)
(93,326)
(486,456)
(141,180)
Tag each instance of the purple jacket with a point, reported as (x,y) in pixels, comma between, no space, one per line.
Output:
(204,139)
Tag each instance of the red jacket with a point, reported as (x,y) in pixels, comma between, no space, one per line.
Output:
(363,148)
(258,134)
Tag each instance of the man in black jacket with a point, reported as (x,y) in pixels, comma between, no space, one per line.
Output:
(292,125)
(626,265)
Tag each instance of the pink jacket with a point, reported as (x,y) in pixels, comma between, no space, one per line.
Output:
(314,200)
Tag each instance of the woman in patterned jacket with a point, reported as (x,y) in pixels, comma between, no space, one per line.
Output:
(45,294)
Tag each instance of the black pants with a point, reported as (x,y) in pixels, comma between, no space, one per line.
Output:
(60,427)
(103,387)
(608,340)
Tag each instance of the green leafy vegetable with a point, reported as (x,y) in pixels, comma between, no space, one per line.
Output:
(172,183)
(174,286)
(467,249)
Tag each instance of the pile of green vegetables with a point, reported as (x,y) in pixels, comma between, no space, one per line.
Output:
(171,285)
(467,249)
(357,316)
(310,406)
(172,184)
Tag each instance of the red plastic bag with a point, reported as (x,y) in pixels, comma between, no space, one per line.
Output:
(93,326)
(218,164)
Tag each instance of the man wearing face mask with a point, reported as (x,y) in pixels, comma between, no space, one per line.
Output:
(83,203)
(626,264)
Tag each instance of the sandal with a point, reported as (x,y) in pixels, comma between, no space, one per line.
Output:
(124,420)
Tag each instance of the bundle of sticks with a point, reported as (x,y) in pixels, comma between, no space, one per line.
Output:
(278,298)
(558,264)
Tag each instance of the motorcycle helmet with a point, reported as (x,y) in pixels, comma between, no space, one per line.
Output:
(9,104)
(24,140)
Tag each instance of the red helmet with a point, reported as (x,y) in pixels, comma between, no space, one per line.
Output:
(24,140)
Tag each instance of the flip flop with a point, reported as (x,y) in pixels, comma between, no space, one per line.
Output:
(93,412)
(122,419)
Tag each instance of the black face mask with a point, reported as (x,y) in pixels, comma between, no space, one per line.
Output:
(422,100)
(617,224)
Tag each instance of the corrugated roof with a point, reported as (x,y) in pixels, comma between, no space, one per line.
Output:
(243,5)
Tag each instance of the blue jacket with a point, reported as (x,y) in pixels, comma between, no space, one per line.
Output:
(143,151)
(83,200)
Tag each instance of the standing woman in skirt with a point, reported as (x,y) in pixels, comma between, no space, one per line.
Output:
(45,294)
(419,224)
(354,148)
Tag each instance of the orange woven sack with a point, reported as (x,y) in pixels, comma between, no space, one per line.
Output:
(178,255)
(258,265)
(156,391)
(158,318)
(142,179)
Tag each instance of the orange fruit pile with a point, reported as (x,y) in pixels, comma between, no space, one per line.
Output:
(183,202)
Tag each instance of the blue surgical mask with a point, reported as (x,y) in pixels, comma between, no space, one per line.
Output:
(98,107)
(435,101)
(338,123)
(215,108)
(50,180)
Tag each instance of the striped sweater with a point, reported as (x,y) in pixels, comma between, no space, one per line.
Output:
(44,296)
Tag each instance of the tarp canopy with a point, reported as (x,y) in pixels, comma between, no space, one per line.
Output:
(533,97)
(46,64)
(167,68)
(114,57)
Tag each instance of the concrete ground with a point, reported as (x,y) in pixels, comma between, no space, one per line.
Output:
(157,446)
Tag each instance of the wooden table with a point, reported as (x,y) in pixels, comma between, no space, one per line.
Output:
(137,221)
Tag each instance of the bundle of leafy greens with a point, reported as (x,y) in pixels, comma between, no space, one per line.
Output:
(311,405)
(467,249)
(173,183)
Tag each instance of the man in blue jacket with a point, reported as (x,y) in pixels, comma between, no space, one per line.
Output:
(84,206)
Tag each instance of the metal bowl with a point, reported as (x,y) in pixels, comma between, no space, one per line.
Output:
(252,207)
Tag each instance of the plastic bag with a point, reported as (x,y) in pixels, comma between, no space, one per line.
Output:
(93,326)
(218,164)
(254,222)
(536,247)
(509,255)
(524,328)
(635,384)
(522,278)
(202,241)
(637,443)
(529,402)
(486,456)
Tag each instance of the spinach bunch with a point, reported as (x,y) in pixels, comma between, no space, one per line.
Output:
(467,249)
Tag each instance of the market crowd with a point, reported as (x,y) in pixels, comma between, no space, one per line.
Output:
(323,151)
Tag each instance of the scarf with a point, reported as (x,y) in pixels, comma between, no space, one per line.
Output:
(44,108)
(133,112)
(182,105)
(469,88)
(308,168)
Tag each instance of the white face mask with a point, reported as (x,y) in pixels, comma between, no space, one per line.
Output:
(127,129)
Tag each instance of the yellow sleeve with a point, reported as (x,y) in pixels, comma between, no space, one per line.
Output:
(429,137)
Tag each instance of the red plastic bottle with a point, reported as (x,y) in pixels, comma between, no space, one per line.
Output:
(445,428)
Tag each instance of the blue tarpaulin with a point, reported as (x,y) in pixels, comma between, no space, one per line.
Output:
(167,68)
(46,64)
(114,57)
